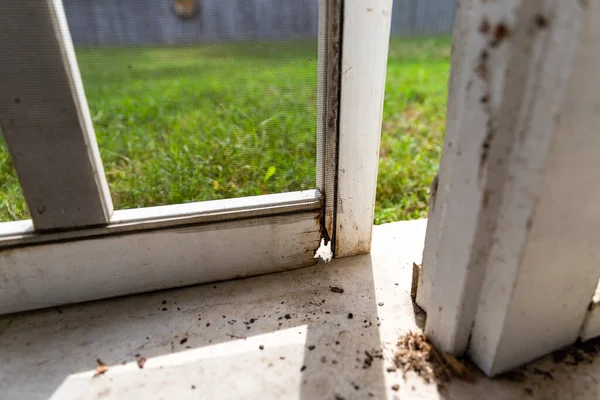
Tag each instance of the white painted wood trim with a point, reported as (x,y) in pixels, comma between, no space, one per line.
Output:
(440,191)
(79,270)
(526,145)
(21,233)
(451,275)
(546,247)
(366,31)
(45,119)
(141,249)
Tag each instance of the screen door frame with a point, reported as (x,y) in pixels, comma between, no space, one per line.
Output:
(77,248)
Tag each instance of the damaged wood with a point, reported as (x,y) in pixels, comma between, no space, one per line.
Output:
(509,86)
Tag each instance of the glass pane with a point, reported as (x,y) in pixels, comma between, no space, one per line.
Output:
(415,107)
(12,202)
(200,100)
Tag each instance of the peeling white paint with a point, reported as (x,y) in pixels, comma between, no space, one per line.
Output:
(324,251)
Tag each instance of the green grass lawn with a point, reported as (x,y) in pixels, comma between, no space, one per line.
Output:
(414,116)
(218,121)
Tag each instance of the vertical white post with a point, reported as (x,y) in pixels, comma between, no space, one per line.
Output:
(452,270)
(543,265)
(366,31)
(523,147)
(439,195)
(45,118)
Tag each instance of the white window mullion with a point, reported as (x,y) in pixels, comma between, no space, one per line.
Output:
(365,42)
(45,119)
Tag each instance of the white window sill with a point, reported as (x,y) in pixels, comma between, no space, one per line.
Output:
(52,353)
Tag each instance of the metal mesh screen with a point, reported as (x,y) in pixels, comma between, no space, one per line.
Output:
(200,100)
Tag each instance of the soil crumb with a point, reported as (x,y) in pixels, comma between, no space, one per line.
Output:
(101,368)
(141,361)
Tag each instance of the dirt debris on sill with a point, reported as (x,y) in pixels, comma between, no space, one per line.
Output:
(336,289)
(101,368)
(580,353)
(415,353)
(141,361)
(370,356)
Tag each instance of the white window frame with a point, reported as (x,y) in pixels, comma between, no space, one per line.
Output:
(76,248)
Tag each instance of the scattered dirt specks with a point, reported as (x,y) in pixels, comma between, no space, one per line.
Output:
(141,361)
(101,368)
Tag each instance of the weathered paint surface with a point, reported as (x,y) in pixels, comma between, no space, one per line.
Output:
(543,266)
(45,119)
(81,270)
(366,30)
(515,158)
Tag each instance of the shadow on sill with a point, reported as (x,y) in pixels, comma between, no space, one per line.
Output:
(205,341)
(291,334)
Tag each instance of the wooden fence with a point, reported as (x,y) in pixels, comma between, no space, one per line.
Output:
(155,22)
